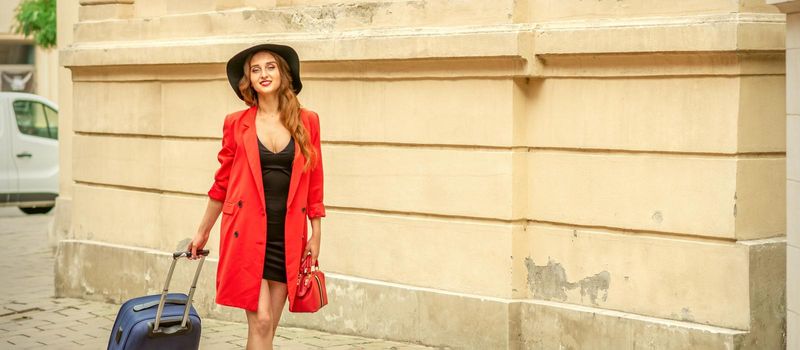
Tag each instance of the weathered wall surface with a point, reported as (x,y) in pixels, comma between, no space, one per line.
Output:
(558,173)
(792,9)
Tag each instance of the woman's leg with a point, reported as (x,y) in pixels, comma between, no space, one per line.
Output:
(260,329)
(277,292)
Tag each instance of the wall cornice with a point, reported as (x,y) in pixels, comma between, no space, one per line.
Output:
(786,6)
(511,49)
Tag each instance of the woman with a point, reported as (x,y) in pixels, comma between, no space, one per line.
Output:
(269,181)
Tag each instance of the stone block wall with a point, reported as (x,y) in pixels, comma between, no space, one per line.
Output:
(555,174)
(792,10)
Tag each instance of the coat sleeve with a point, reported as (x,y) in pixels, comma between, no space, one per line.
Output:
(220,187)
(315,206)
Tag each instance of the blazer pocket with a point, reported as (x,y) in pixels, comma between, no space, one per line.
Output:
(228,207)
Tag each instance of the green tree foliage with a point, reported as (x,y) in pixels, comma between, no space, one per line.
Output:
(37,18)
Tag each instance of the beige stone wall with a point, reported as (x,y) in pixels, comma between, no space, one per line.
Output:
(47,72)
(62,225)
(792,9)
(7,19)
(518,164)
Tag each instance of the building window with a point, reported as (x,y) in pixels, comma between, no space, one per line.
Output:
(16,53)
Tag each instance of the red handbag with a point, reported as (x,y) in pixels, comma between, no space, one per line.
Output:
(311,293)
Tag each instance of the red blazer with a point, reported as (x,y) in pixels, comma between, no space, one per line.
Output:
(238,184)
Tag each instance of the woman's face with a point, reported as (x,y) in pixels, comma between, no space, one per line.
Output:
(265,77)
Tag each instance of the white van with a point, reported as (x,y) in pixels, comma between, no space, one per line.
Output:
(28,152)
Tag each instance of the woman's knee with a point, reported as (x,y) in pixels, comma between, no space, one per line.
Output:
(262,323)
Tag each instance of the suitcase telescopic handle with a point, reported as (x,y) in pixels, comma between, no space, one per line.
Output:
(162,301)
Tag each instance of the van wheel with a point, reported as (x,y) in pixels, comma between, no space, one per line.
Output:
(36,210)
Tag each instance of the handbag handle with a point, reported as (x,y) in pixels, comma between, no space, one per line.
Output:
(304,264)
(175,256)
(304,275)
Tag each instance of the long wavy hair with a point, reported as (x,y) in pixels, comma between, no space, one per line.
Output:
(288,105)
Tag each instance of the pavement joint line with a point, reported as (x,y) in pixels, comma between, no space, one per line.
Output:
(21,311)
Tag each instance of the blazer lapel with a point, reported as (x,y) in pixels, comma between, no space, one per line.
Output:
(297,172)
(297,165)
(250,140)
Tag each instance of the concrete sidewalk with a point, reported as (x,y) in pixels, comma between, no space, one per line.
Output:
(31,318)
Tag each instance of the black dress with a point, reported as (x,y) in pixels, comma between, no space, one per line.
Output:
(276,171)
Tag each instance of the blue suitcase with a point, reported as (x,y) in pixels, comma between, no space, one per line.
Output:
(159,321)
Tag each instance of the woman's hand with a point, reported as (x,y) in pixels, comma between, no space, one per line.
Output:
(312,248)
(213,209)
(198,242)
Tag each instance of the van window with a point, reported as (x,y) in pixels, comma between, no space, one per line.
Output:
(52,121)
(31,119)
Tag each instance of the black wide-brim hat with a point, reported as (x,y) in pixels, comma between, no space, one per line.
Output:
(235,67)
